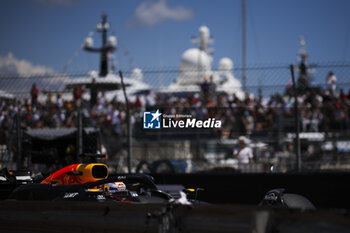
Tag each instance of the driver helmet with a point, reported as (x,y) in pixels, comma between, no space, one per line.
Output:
(115,190)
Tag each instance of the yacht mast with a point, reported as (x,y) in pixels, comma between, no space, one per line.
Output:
(108,45)
(244,43)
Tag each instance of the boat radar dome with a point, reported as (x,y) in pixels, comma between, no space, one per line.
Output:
(89,42)
(194,65)
(112,41)
(225,65)
(136,74)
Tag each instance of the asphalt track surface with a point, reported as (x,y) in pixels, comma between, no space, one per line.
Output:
(43,216)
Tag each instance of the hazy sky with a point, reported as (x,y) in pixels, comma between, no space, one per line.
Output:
(154,33)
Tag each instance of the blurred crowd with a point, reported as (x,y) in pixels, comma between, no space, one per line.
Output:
(320,110)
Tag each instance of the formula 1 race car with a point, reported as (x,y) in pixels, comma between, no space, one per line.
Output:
(136,188)
(90,182)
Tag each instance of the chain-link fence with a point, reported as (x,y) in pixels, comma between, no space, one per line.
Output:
(51,120)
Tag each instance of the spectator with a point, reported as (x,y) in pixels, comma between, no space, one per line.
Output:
(303,81)
(212,89)
(102,99)
(34,93)
(205,90)
(93,93)
(244,154)
(77,94)
(331,83)
(150,99)
(59,101)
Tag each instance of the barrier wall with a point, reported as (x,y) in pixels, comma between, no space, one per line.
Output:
(325,190)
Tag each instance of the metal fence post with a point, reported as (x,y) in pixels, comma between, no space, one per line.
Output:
(79,135)
(19,139)
(297,121)
(128,116)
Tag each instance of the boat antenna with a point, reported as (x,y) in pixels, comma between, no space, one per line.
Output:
(244,43)
(108,45)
